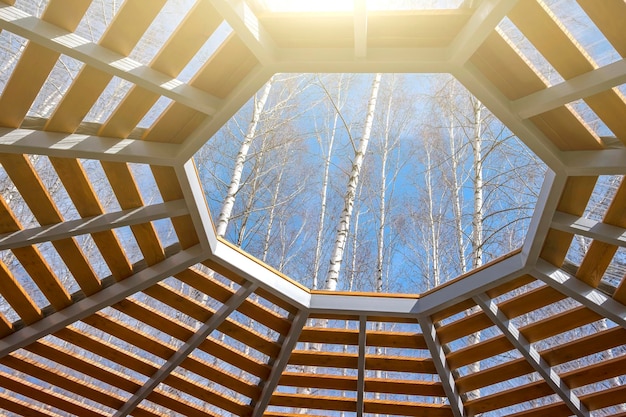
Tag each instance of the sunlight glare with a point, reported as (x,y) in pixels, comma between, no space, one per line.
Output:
(309,5)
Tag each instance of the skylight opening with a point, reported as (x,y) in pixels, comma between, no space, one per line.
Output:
(603,194)
(55,188)
(616,271)
(146,184)
(56,85)
(586,33)
(109,100)
(97,19)
(205,53)
(32,7)
(155,112)
(591,119)
(423,126)
(530,52)
(160,30)
(10,54)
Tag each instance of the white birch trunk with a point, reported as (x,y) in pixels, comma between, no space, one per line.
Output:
(336,259)
(478,214)
(235,182)
(324,192)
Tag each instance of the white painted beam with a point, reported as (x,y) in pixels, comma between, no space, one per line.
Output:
(475,283)
(66,145)
(104,298)
(235,100)
(103,59)
(360,29)
(500,106)
(196,201)
(586,295)
(441,364)
(584,85)
(548,200)
(510,331)
(360,380)
(280,363)
(601,162)
(245,23)
(427,60)
(88,225)
(331,303)
(254,270)
(603,232)
(484,20)
(186,349)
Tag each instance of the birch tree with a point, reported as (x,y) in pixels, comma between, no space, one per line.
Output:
(336,259)
(240,160)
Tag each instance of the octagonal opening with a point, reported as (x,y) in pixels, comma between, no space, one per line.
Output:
(444,185)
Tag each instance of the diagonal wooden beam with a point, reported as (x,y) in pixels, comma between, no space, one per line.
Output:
(588,296)
(441,364)
(595,230)
(187,348)
(581,86)
(360,381)
(512,333)
(280,363)
(484,20)
(104,298)
(245,23)
(88,225)
(69,145)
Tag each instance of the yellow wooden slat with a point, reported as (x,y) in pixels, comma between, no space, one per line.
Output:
(191,34)
(130,22)
(54,377)
(82,365)
(127,192)
(318,402)
(82,194)
(415,29)
(533,332)
(153,318)
(230,327)
(36,62)
(573,201)
(500,61)
(47,396)
(17,297)
(169,187)
(556,44)
(528,392)
(346,383)
(207,285)
(9,403)
(609,16)
(599,254)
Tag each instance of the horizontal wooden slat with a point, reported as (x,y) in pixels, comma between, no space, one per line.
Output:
(378,362)
(381,385)
(370,406)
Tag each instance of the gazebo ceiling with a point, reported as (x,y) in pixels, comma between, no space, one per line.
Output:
(105,313)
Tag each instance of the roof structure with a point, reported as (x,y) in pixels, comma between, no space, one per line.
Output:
(195,326)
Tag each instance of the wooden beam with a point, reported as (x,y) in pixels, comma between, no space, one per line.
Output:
(518,340)
(280,363)
(105,60)
(88,225)
(186,349)
(438,354)
(104,298)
